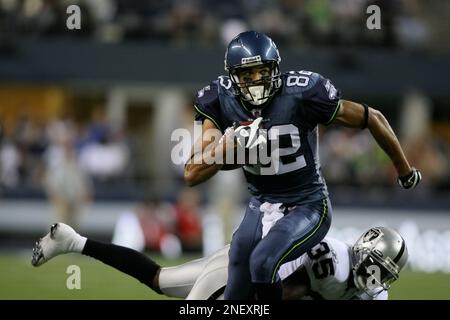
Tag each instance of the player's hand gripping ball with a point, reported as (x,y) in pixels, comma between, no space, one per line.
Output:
(249,136)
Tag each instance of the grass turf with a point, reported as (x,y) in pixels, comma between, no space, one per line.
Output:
(19,280)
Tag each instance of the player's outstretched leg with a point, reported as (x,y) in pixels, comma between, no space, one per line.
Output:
(61,239)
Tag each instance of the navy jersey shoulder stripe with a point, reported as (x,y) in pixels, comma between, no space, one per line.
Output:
(334,114)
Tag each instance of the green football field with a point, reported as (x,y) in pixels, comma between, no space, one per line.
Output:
(19,280)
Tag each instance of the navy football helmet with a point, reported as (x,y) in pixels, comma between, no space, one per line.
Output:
(250,49)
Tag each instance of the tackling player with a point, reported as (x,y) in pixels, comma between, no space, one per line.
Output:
(330,270)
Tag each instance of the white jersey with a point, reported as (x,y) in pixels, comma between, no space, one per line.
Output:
(328,265)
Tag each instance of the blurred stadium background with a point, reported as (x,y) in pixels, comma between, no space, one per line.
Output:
(86,118)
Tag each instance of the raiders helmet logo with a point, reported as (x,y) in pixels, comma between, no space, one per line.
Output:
(371,234)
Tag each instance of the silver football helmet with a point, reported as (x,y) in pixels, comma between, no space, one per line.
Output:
(378,257)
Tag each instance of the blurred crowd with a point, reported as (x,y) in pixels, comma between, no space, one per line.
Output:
(353,158)
(34,154)
(412,24)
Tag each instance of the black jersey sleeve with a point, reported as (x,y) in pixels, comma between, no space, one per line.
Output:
(321,101)
(207,105)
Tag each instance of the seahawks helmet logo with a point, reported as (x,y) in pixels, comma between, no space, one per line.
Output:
(371,235)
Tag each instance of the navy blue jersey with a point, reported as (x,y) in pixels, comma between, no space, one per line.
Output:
(305,100)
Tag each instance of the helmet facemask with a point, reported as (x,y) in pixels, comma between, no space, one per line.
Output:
(259,91)
(373,274)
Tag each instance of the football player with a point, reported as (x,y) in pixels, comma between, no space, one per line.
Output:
(330,270)
(285,109)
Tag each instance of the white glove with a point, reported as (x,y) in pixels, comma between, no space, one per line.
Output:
(248,136)
(411,180)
